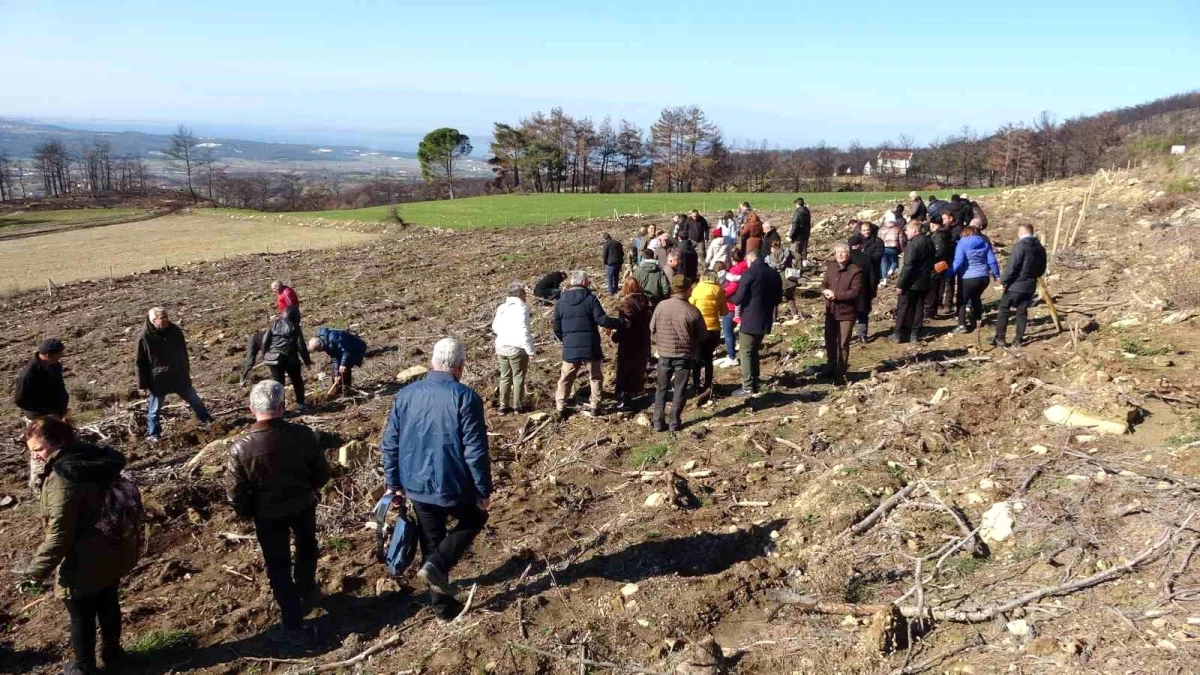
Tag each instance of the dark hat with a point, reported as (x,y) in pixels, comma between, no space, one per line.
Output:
(679,283)
(51,346)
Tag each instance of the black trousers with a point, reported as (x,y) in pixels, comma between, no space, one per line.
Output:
(84,612)
(294,372)
(444,549)
(673,376)
(937,287)
(290,582)
(1009,301)
(970,300)
(910,307)
(951,293)
(711,340)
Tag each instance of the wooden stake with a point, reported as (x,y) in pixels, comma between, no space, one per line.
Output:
(1045,295)
(1054,249)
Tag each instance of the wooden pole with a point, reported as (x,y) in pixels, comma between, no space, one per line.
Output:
(1087,200)
(1045,295)
(1061,210)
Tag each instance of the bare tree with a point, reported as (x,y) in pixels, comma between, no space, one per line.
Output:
(181,151)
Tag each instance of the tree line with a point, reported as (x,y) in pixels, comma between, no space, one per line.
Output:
(683,151)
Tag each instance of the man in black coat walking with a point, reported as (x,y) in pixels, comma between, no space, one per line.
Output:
(759,291)
(800,232)
(614,257)
(163,368)
(943,252)
(578,318)
(913,283)
(1026,265)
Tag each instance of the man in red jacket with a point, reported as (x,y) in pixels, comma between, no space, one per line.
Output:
(284,296)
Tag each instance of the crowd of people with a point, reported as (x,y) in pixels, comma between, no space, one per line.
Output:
(685,296)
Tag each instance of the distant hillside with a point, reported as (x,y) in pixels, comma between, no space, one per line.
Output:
(19,139)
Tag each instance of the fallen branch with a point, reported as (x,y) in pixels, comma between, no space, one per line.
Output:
(466,607)
(374,649)
(932,661)
(756,420)
(586,662)
(882,510)
(981,615)
(236,573)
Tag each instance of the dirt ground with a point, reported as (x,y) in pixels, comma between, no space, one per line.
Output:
(817,505)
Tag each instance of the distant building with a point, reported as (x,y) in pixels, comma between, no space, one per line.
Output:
(868,169)
(895,162)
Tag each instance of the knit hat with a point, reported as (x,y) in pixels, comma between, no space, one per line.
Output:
(51,346)
(679,283)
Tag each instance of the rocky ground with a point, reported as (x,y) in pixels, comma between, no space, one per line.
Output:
(927,516)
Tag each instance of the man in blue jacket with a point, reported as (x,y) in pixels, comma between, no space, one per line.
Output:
(435,453)
(345,349)
(759,293)
(578,318)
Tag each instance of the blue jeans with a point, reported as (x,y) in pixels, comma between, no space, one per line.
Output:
(730,339)
(891,260)
(612,272)
(154,408)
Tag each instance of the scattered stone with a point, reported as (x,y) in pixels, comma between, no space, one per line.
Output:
(385,585)
(354,454)
(690,465)
(887,633)
(850,621)
(997,523)
(642,420)
(1076,478)
(1018,627)
(822,411)
(1069,417)
(411,374)
(655,500)
(705,658)
(629,589)
(1167,644)
(644,623)
(1084,438)
(939,396)
(1127,323)
(538,417)
(1039,449)
(1177,317)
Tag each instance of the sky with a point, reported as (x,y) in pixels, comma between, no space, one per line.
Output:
(385,72)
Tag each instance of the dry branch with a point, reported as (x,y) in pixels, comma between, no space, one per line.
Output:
(882,510)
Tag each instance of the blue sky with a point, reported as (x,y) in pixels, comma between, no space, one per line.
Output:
(783,71)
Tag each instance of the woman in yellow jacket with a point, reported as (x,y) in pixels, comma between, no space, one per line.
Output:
(707,297)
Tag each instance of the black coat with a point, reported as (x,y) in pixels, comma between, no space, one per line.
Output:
(801,224)
(759,292)
(695,230)
(943,245)
(614,253)
(40,389)
(917,269)
(919,211)
(1026,263)
(547,287)
(578,318)
(284,342)
(162,360)
(689,262)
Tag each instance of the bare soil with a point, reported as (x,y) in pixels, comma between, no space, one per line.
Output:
(784,561)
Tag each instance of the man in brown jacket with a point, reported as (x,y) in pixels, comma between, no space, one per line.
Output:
(273,475)
(676,329)
(841,289)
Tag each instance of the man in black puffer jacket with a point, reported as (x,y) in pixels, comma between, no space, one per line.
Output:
(284,348)
(943,252)
(163,368)
(578,318)
(913,284)
(1026,265)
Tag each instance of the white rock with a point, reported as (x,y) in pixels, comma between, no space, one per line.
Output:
(1126,323)
(997,523)
(987,484)
(655,499)
(939,396)
(822,410)
(1076,478)
(850,621)
(1018,627)
(974,498)
(629,589)
(1176,317)
(1039,449)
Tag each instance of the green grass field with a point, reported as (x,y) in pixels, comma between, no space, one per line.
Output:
(538,209)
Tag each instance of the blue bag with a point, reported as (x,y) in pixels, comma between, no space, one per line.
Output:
(402,548)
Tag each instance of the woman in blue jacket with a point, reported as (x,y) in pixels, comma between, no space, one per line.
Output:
(974,265)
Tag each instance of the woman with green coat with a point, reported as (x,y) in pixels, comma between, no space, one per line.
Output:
(93,531)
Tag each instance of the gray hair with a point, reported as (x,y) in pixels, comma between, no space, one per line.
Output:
(579,278)
(315,345)
(448,354)
(841,246)
(516,289)
(752,254)
(155,311)
(266,397)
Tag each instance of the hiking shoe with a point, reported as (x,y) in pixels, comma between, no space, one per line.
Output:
(435,579)
(310,600)
(590,413)
(445,607)
(506,411)
(743,393)
(288,637)
(80,668)
(960,329)
(996,342)
(659,427)
(896,338)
